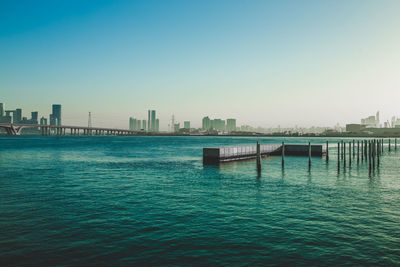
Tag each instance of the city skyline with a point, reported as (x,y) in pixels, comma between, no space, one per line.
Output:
(266,63)
(370,124)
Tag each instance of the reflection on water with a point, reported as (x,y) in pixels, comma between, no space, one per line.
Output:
(150,201)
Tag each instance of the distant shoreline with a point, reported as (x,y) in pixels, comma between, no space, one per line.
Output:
(240,135)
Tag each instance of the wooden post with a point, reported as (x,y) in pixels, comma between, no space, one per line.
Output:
(309,154)
(338,155)
(389,144)
(378,154)
(258,157)
(362,150)
(342,149)
(358,152)
(327,151)
(344,156)
(353,149)
(366,150)
(283,154)
(369,155)
(350,153)
(373,154)
(395,144)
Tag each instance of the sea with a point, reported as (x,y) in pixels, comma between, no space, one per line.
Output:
(150,201)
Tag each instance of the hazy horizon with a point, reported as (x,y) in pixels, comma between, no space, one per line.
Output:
(265,63)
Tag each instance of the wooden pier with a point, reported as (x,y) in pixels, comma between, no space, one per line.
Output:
(215,155)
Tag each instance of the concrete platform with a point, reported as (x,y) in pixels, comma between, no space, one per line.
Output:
(215,155)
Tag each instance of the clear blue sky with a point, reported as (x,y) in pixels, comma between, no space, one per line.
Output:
(262,62)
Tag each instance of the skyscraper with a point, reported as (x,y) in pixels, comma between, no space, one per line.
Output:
(149,120)
(231,125)
(1,110)
(186,124)
(56,115)
(153,120)
(34,117)
(17,118)
(43,121)
(157,126)
(206,124)
(144,125)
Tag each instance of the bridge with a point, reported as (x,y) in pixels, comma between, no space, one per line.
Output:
(15,129)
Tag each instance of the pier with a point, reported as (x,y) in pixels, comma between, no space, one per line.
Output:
(215,155)
(371,152)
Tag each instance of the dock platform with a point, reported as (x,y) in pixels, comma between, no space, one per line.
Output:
(215,155)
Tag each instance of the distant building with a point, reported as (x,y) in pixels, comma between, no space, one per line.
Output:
(138,125)
(153,121)
(18,116)
(186,124)
(157,125)
(55,117)
(354,128)
(231,125)
(43,121)
(1,110)
(176,127)
(132,124)
(34,117)
(218,124)
(149,120)
(371,121)
(206,123)
(144,125)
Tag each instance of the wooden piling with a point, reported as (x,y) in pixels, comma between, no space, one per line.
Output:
(395,144)
(327,151)
(369,155)
(373,154)
(378,154)
(283,154)
(389,144)
(258,157)
(338,155)
(342,149)
(353,149)
(344,156)
(362,150)
(350,153)
(358,152)
(366,150)
(309,154)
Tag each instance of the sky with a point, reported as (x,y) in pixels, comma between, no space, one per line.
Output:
(265,63)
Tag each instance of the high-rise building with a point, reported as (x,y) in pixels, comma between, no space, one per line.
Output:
(144,125)
(17,118)
(138,125)
(43,121)
(157,125)
(186,124)
(56,115)
(176,127)
(1,110)
(231,125)
(218,124)
(153,120)
(206,123)
(34,117)
(132,124)
(149,120)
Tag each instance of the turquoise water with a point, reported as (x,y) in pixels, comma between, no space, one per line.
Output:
(150,201)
